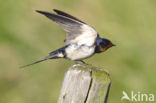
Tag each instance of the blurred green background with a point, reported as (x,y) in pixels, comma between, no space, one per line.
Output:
(26,36)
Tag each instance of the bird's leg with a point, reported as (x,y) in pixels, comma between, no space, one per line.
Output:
(78,62)
(82,62)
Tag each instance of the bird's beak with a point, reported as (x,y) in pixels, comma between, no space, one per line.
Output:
(113,45)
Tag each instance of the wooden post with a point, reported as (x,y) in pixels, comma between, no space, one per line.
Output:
(85,84)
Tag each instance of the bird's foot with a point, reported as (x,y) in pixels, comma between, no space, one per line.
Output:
(80,62)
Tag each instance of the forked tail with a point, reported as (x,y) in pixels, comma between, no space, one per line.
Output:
(46,58)
(60,53)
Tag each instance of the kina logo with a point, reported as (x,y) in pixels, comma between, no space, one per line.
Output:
(138,96)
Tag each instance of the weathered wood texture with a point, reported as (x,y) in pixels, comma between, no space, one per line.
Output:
(85,84)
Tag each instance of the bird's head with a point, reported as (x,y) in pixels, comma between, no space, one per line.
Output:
(102,45)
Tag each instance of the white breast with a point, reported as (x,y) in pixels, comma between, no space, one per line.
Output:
(74,52)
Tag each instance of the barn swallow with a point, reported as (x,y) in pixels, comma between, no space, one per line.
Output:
(82,40)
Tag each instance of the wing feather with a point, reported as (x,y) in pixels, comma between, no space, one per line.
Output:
(59,12)
(77,31)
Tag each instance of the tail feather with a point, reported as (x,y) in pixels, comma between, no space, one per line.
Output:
(46,58)
(53,55)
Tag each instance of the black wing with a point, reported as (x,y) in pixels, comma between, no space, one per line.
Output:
(59,12)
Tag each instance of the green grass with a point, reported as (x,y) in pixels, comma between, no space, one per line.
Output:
(26,36)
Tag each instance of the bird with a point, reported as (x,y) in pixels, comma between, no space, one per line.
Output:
(82,40)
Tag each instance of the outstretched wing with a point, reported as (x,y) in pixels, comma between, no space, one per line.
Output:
(77,31)
(59,12)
